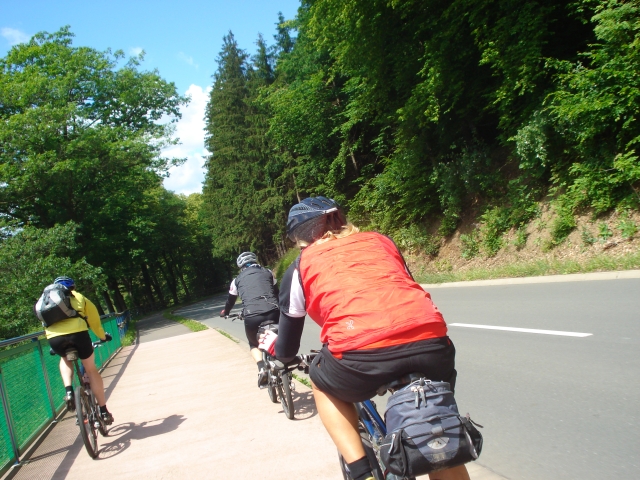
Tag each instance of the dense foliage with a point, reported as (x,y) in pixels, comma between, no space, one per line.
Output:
(417,113)
(80,141)
(26,259)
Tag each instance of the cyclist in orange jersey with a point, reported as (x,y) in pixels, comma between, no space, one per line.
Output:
(377,324)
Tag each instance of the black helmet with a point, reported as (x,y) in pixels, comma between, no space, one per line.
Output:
(311,218)
(245,258)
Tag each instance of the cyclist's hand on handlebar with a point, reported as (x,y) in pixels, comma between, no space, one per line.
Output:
(107,337)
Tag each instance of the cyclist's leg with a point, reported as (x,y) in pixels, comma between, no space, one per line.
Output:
(59,344)
(66,371)
(251,326)
(97,385)
(82,341)
(455,473)
(256,353)
(341,421)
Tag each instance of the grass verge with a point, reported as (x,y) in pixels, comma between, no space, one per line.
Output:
(302,380)
(130,337)
(281,266)
(222,332)
(599,263)
(192,325)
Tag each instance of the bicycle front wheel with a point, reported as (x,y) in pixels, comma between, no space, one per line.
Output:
(85,422)
(284,391)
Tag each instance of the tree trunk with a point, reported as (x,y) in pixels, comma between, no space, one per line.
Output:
(107,300)
(117,296)
(146,283)
(151,282)
(171,285)
(180,276)
(97,303)
(128,284)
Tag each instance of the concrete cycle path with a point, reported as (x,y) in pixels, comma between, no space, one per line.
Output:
(187,406)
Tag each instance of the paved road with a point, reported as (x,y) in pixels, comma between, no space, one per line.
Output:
(554,407)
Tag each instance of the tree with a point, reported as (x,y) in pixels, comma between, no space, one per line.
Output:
(237,197)
(31,259)
(80,141)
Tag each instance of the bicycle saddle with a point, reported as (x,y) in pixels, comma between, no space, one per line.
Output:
(71,354)
(268,326)
(400,382)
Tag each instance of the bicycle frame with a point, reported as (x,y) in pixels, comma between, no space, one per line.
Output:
(371,420)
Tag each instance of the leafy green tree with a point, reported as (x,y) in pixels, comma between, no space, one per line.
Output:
(595,112)
(30,259)
(80,141)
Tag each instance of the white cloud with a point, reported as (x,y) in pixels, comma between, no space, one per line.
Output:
(188,60)
(135,51)
(14,36)
(188,177)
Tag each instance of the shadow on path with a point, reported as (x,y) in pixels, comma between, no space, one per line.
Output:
(304,405)
(137,431)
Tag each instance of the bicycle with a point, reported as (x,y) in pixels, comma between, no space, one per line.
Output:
(371,426)
(279,380)
(88,416)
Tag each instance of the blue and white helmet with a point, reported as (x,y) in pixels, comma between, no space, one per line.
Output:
(65,282)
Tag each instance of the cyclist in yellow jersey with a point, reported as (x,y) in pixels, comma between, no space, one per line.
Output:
(74,332)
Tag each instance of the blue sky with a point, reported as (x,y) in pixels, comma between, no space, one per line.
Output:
(180,39)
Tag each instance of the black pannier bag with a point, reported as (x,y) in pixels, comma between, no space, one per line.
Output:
(54,305)
(425,431)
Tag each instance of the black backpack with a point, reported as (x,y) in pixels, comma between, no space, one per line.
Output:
(425,432)
(54,305)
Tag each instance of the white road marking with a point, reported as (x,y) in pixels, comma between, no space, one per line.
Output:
(522,330)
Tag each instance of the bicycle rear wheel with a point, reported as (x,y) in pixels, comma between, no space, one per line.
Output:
(284,391)
(371,456)
(271,388)
(85,422)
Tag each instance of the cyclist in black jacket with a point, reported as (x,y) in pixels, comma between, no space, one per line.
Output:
(257,288)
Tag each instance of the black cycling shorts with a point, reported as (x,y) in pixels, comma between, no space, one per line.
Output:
(359,373)
(252,324)
(81,341)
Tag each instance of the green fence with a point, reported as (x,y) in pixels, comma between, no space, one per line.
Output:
(31,389)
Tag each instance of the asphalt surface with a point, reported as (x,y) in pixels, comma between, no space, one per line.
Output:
(554,407)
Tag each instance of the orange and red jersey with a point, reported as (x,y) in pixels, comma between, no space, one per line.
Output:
(359,291)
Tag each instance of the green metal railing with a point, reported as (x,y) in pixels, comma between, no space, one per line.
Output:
(31,390)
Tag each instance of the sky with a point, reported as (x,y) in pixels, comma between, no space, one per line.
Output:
(180,39)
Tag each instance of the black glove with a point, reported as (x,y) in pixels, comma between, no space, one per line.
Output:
(107,337)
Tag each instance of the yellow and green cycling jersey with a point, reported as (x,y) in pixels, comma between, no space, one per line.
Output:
(86,309)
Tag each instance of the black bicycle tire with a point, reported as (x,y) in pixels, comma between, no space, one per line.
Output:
(84,422)
(102,427)
(378,474)
(343,468)
(284,389)
(371,455)
(271,388)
